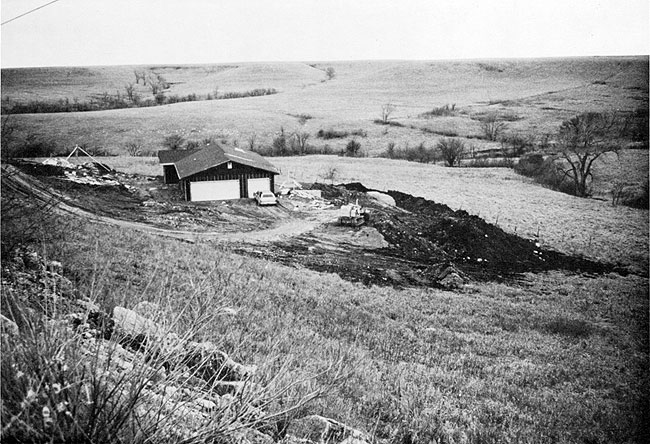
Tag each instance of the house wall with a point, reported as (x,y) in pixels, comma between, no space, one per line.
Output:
(222,172)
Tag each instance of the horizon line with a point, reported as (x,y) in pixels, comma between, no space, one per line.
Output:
(323,61)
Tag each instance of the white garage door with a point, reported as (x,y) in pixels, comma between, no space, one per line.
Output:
(255,185)
(214,190)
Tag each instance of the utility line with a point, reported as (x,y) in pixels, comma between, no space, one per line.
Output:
(28,12)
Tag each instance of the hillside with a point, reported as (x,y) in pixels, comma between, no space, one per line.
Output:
(475,305)
(536,94)
(556,356)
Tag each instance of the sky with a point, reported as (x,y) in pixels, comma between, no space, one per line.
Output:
(126,32)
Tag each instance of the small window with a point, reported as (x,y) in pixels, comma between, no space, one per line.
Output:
(230,165)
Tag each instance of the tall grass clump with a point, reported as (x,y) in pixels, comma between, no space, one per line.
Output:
(87,381)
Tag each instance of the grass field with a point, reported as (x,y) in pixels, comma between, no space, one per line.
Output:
(554,358)
(538,93)
(549,358)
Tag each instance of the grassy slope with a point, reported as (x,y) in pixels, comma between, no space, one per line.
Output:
(554,359)
(541,92)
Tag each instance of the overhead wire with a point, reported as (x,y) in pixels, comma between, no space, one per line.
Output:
(28,12)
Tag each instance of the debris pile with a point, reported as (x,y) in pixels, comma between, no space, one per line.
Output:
(88,173)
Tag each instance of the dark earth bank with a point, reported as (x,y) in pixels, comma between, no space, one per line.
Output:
(429,245)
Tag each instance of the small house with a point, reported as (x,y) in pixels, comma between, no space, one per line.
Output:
(217,173)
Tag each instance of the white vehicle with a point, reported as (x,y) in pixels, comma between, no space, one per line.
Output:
(265,198)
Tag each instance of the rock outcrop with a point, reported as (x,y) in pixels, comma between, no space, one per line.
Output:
(198,388)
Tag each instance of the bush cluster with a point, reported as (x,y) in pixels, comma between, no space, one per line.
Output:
(420,153)
(106,101)
(545,172)
(440,111)
(339,134)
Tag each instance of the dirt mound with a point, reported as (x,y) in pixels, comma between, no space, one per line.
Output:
(425,245)
(433,232)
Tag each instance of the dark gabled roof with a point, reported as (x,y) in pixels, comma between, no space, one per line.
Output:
(172,156)
(195,161)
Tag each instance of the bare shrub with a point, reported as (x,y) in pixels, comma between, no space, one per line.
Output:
(630,194)
(451,150)
(139,75)
(174,142)
(330,73)
(193,145)
(134,148)
(330,173)
(299,142)
(544,171)
(353,149)
(131,94)
(279,144)
(492,126)
(387,110)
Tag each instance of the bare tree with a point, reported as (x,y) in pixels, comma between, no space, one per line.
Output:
(330,73)
(386,110)
(492,127)
(330,173)
(139,75)
(451,150)
(251,141)
(133,148)
(582,140)
(131,94)
(300,141)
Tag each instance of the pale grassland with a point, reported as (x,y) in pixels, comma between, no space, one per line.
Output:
(542,93)
(559,359)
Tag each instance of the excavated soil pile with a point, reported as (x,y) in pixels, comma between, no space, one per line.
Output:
(481,250)
(434,241)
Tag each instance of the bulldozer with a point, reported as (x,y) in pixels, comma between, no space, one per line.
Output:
(353,215)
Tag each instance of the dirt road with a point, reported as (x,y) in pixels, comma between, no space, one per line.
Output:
(284,228)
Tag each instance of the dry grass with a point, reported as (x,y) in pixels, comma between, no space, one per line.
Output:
(541,92)
(559,359)
(555,358)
